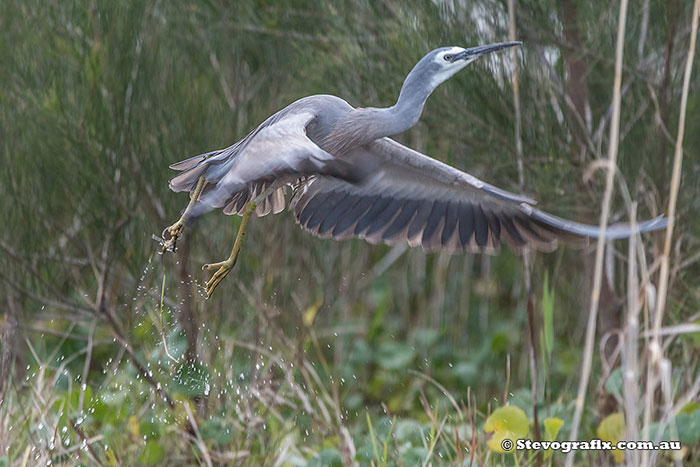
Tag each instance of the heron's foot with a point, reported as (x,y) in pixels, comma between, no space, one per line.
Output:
(171,234)
(224,267)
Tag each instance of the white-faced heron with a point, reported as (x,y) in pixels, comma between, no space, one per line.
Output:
(349,179)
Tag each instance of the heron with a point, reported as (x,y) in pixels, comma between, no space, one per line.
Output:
(349,178)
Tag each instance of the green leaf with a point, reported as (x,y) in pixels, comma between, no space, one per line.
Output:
(467,373)
(190,379)
(153,453)
(176,341)
(613,385)
(361,353)
(548,315)
(509,422)
(689,408)
(415,456)
(687,429)
(612,428)
(326,458)
(426,337)
(409,431)
(218,430)
(395,356)
(552,427)
(149,429)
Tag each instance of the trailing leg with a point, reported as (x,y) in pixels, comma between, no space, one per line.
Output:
(175,230)
(224,267)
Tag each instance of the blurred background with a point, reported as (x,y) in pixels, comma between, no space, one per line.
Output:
(313,351)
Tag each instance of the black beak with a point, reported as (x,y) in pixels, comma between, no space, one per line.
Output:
(475,52)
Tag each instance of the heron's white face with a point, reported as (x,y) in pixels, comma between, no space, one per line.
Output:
(447,66)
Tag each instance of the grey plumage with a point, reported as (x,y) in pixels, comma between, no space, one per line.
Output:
(351,180)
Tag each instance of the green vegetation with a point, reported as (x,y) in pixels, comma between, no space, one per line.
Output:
(313,352)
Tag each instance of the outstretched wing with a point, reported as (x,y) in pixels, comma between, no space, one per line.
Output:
(408,196)
(276,151)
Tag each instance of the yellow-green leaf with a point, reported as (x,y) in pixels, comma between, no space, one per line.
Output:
(509,422)
(310,313)
(111,459)
(551,428)
(548,315)
(612,428)
(133,425)
(689,408)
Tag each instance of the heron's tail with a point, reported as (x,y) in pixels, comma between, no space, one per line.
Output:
(191,169)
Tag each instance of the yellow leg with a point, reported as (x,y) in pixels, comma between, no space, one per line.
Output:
(226,266)
(175,230)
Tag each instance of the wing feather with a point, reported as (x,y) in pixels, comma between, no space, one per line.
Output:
(274,154)
(408,196)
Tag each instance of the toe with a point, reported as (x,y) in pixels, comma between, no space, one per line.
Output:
(210,289)
(210,266)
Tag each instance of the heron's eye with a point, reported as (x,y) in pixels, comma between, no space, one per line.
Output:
(448,58)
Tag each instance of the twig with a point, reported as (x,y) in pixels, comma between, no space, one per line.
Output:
(162,324)
(442,389)
(675,179)
(80,433)
(516,96)
(507,388)
(527,256)
(198,439)
(598,271)
(86,365)
(630,359)
(655,347)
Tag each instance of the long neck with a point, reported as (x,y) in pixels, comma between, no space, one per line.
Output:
(405,113)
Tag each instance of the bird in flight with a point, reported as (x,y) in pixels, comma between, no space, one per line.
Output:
(350,179)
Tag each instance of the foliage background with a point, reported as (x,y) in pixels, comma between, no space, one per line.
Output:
(313,351)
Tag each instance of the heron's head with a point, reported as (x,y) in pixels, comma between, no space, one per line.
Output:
(440,64)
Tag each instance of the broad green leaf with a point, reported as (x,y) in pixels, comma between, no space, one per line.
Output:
(415,456)
(552,427)
(153,453)
(395,356)
(687,429)
(613,385)
(500,341)
(177,342)
(612,429)
(409,431)
(467,373)
(326,458)
(426,337)
(509,422)
(217,429)
(149,429)
(361,353)
(190,379)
